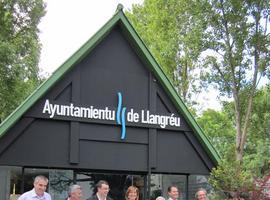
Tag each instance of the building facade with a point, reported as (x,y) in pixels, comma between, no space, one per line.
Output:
(109,112)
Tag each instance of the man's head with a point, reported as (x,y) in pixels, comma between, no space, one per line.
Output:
(173,192)
(75,192)
(40,185)
(102,188)
(160,198)
(201,194)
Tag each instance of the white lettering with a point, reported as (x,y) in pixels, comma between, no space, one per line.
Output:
(53,109)
(74,111)
(106,114)
(161,120)
(132,116)
(47,107)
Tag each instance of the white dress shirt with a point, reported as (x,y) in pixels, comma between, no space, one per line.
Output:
(31,195)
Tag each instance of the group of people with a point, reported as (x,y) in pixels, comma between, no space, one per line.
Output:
(75,192)
(173,194)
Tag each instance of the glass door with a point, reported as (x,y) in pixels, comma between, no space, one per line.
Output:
(118,183)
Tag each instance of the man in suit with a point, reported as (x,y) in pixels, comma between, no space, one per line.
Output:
(173,192)
(102,191)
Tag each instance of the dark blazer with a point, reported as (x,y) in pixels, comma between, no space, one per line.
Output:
(96,198)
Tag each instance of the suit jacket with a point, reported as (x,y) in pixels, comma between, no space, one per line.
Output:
(96,198)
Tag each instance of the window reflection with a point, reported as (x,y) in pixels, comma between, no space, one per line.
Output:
(118,183)
(10,182)
(59,181)
(161,182)
(196,182)
(17,180)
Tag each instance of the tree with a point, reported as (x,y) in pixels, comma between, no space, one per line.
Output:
(239,43)
(172,30)
(234,36)
(230,177)
(258,152)
(218,126)
(260,119)
(19,51)
(241,178)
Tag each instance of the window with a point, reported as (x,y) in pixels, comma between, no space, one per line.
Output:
(161,182)
(16,180)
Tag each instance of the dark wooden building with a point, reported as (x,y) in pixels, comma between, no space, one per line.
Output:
(109,112)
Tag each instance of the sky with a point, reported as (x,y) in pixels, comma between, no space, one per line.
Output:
(68,24)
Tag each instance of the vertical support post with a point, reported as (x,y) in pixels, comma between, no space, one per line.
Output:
(22,184)
(74,147)
(74,177)
(146,186)
(149,184)
(152,134)
(187,186)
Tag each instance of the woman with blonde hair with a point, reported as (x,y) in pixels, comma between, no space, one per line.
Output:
(132,193)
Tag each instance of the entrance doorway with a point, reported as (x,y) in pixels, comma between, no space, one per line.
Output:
(118,183)
(16,180)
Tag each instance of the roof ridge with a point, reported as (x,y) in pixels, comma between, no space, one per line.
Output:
(119,8)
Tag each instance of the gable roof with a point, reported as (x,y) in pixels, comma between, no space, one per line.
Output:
(119,18)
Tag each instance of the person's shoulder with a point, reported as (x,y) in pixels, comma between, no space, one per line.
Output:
(109,198)
(92,198)
(47,196)
(24,195)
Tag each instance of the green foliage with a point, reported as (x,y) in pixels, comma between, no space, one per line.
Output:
(260,119)
(257,149)
(219,128)
(237,181)
(236,32)
(216,195)
(231,178)
(238,39)
(234,39)
(230,35)
(155,22)
(173,31)
(258,162)
(19,51)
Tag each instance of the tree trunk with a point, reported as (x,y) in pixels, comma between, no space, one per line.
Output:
(238,149)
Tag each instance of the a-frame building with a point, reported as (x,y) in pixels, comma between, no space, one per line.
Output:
(109,109)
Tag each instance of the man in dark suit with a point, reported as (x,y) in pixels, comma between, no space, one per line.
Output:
(102,191)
